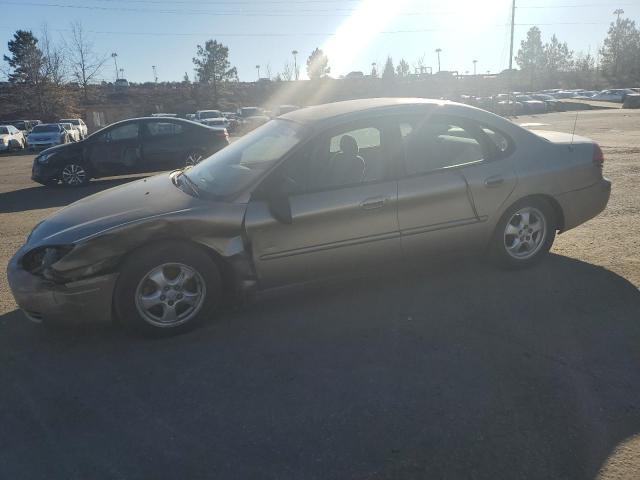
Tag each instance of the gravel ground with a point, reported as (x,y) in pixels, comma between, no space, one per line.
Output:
(446,371)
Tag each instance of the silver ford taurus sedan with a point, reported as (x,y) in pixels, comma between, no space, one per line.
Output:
(317,192)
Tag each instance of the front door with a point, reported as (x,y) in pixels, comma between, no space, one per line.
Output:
(164,146)
(342,199)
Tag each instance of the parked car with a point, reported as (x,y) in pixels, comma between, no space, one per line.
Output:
(79,124)
(221,123)
(552,103)
(131,146)
(246,112)
(330,189)
(531,105)
(47,135)
(72,131)
(25,126)
(506,104)
(205,114)
(11,138)
(616,95)
(168,115)
(121,85)
(586,94)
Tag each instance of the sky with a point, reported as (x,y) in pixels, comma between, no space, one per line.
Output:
(353,33)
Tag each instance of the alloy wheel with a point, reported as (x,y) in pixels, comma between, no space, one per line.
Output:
(74,174)
(525,233)
(193,159)
(170,295)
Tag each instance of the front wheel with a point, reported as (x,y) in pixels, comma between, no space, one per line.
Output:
(167,289)
(524,234)
(74,175)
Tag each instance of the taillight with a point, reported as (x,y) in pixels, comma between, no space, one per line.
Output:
(598,156)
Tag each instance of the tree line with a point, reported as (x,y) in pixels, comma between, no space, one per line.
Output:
(542,64)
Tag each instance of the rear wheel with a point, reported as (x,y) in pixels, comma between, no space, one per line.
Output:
(167,289)
(74,175)
(524,234)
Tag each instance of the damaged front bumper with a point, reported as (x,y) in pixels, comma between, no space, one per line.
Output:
(43,300)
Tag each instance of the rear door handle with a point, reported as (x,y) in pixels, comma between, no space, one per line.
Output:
(493,181)
(373,203)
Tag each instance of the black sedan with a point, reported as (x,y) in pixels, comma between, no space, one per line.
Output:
(132,146)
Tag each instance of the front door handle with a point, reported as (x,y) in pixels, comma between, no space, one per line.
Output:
(372,203)
(493,181)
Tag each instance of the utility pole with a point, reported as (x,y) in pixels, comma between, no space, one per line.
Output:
(475,63)
(114,55)
(258,68)
(155,73)
(438,50)
(295,63)
(513,19)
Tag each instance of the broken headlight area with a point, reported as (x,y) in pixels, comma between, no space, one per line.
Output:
(39,260)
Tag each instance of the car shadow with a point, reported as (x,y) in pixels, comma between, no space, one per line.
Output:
(450,370)
(37,197)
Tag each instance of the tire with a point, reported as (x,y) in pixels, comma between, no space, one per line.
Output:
(149,298)
(524,234)
(74,175)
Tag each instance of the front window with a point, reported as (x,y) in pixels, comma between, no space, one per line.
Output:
(245,160)
(4,130)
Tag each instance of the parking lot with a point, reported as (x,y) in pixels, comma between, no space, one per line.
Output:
(447,370)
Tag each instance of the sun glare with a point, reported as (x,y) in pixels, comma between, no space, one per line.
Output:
(356,33)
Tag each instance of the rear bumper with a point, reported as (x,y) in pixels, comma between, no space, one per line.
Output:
(88,300)
(581,205)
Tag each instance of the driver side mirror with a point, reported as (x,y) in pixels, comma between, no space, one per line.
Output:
(275,194)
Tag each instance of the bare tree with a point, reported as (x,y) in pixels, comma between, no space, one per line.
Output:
(85,63)
(287,72)
(54,65)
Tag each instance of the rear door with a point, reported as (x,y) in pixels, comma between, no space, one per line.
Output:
(339,222)
(446,165)
(117,150)
(164,145)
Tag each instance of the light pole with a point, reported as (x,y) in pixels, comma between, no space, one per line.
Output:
(155,73)
(295,63)
(114,55)
(258,69)
(374,71)
(122,73)
(438,50)
(475,63)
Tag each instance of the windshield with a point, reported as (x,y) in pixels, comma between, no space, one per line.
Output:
(212,114)
(19,125)
(73,122)
(238,165)
(4,130)
(46,128)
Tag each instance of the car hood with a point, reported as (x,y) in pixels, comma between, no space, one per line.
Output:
(62,148)
(133,202)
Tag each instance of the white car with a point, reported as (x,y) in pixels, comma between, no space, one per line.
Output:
(11,138)
(205,114)
(616,95)
(47,135)
(78,123)
(74,133)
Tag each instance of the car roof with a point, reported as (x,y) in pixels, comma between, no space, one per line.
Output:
(320,113)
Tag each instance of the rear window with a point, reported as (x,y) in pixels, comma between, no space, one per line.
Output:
(46,128)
